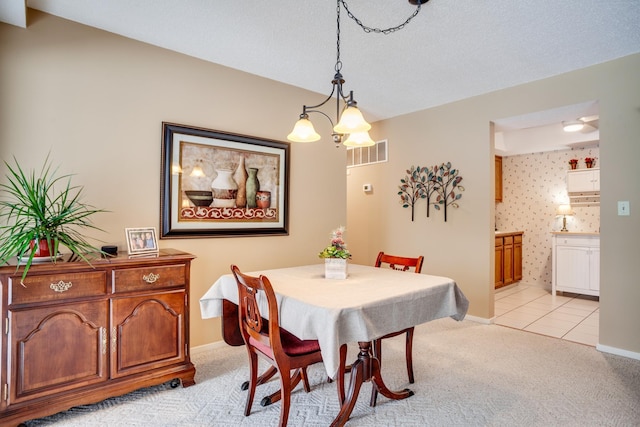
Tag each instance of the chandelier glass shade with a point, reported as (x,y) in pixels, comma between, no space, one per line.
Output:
(303,131)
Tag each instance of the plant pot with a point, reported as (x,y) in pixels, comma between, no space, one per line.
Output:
(589,165)
(573,165)
(335,268)
(42,251)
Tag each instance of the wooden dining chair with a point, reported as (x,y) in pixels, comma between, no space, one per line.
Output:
(283,350)
(403,264)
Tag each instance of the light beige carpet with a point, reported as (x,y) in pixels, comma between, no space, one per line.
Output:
(467,374)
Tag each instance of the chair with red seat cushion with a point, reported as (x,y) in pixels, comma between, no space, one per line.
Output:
(283,350)
(396,263)
(403,264)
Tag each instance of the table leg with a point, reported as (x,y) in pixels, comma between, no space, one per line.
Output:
(365,368)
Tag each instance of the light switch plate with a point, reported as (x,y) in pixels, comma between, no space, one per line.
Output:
(623,208)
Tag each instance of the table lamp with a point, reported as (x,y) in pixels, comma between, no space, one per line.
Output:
(564,210)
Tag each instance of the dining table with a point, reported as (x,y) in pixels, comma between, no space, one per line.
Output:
(371,302)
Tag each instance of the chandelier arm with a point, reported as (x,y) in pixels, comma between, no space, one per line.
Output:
(321,112)
(325,101)
(389,30)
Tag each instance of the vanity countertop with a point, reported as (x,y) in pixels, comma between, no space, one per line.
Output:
(508,233)
(576,233)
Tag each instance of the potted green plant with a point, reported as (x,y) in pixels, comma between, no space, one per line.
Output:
(38,213)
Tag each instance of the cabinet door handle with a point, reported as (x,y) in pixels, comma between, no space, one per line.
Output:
(151,277)
(114,340)
(103,331)
(61,286)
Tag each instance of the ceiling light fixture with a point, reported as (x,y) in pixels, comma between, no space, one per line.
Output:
(573,125)
(351,122)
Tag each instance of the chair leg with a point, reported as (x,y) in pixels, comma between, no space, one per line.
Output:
(285,395)
(410,354)
(305,380)
(377,352)
(341,372)
(253,379)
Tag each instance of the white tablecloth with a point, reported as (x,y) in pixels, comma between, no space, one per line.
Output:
(370,303)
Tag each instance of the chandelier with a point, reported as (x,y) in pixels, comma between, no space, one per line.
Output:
(351,123)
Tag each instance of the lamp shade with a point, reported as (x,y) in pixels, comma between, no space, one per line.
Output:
(351,121)
(564,210)
(303,131)
(359,139)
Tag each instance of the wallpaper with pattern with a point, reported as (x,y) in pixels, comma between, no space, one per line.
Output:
(533,187)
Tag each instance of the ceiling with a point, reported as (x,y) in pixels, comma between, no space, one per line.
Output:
(452,50)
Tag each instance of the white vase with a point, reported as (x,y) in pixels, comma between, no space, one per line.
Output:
(335,268)
(224,189)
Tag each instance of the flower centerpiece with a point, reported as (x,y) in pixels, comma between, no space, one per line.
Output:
(573,163)
(589,161)
(335,256)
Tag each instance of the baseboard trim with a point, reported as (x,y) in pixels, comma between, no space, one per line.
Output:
(482,320)
(618,351)
(208,347)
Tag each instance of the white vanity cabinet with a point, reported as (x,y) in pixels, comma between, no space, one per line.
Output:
(576,263)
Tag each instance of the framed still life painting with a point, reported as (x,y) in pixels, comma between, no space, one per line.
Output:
(217,184)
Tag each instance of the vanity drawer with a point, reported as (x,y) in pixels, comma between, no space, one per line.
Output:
(54,287)
(149,278)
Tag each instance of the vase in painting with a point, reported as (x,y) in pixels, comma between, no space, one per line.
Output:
(240,176)
(224,189)
(263,199)
(253,186)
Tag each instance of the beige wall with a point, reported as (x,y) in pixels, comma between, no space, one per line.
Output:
(463,246)
(97,102)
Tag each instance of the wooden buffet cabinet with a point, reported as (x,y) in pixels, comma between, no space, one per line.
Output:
(508,257)
(76,334)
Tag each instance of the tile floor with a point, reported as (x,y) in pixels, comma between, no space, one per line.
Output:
(569,317)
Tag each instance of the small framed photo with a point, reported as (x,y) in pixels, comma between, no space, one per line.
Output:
(141,240)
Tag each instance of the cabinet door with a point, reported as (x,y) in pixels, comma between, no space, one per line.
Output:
(583,181)
(594,269)
(147,332)
(507,255)
(517,261)
(572,268)
(498,176)
(499,263)
(55,349)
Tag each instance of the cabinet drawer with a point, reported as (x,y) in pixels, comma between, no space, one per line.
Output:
(585,241)
(517,238)
(149,278)
(60,286)
(498,242)
(508,240)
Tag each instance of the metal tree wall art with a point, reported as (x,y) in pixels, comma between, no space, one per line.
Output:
(448,181)
(412,188)
(442,181)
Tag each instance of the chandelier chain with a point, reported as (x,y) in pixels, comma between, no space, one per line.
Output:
(338,66)
(375,30)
